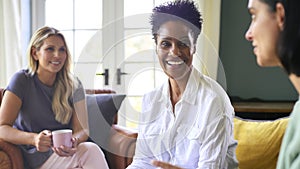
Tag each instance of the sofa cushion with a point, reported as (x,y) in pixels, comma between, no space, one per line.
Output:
(5,162)
(102,108)
(258,142)
(13,153)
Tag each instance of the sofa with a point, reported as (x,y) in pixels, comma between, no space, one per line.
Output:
(258,140)
(117,143)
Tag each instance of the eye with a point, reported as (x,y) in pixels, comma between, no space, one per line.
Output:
(62,49)
(183,44)
(165,44)
(50,49)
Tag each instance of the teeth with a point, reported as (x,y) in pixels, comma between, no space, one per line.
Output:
(175,62)
(56,63)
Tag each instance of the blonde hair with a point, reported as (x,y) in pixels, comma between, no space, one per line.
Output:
(64,83)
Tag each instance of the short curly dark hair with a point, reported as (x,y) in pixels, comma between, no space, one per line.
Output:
(183,10)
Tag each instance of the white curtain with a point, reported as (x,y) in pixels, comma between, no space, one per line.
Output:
(10,39)
(207,52)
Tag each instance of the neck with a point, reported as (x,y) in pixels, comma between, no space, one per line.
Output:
(177,87)
(46,78)
(295,81)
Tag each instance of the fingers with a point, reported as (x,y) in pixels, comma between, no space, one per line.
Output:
(64,151)
(46,132)
(75,141)
(164,165)
(43,141)
(59,151)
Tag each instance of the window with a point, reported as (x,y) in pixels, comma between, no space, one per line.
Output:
(81,19)
(110,35)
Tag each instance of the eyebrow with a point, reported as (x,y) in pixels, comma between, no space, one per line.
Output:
(171,38)
(51,45)
(167,37)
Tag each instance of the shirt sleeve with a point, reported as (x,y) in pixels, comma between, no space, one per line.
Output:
(18,83)
(141,160)
(217,136)
(290,148)
(215,145)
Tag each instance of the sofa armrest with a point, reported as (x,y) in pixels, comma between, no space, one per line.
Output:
(121,147)
(99,91)
(14,154)
(1,95)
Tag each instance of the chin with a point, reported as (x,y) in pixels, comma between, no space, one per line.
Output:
(262,64)
(267,63)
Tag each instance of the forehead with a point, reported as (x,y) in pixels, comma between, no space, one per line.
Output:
(251,3)
(54,40)
(255,4)
(174,29)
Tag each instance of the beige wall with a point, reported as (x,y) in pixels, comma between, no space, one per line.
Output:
(208,42)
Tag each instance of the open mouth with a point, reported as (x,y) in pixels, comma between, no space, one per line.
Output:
(175,62)
(55,63)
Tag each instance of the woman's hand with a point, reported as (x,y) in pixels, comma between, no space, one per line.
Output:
(64,151)
(164,165)
(43,141)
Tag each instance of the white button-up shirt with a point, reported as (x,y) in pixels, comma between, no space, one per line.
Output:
(199,134)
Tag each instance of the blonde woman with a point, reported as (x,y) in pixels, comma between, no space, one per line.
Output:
(47,97)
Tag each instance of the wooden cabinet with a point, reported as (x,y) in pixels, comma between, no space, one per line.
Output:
(262,110)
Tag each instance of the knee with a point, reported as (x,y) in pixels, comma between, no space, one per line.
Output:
(90,147)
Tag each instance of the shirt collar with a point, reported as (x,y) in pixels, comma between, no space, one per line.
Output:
(189,94)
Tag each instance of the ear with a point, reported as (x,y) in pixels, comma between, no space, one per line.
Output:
(34,53)
(280,15)
(193,49)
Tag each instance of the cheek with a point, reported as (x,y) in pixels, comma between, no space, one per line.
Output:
(270,40)
(188,53)
(65,58)
(43,56)
(64,61)
(161,53)
(189,63)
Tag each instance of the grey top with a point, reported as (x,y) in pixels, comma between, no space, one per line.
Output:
(36,112)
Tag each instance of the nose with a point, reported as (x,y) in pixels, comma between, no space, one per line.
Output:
(175,50)
(248,34)
(56,53)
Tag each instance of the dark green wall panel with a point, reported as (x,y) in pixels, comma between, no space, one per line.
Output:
(244,78)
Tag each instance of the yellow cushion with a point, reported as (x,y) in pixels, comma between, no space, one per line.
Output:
(258,142)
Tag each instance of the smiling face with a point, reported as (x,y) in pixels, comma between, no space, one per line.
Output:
(51,55)
(175,49)
(264,33)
